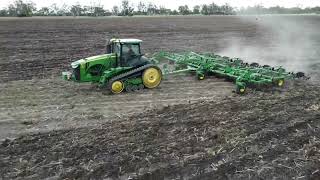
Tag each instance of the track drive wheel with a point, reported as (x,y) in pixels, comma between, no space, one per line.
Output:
(151,77)
(117,87)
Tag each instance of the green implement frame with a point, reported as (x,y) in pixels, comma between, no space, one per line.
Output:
(243,74)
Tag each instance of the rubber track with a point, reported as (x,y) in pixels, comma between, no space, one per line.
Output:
(126,74)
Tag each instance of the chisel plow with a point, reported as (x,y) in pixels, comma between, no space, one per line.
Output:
(243,74)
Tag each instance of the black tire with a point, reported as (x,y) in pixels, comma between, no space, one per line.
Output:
(300,75)
(254,64)
(240,91)
(135,88)
(128,88)
(201,77)
(140,87)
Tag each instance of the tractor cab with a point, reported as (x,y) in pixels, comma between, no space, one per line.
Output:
(127,51)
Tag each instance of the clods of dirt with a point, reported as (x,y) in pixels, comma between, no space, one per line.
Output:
(258,136)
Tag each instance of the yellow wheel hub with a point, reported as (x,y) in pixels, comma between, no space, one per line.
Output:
(242,90)
(151,77)
(280,83)
(117,87)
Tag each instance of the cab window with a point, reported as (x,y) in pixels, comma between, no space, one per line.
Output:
(130,49)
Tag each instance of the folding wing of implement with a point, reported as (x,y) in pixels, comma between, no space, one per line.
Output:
(243,74)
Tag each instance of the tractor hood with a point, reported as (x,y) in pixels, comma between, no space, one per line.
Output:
(75,64)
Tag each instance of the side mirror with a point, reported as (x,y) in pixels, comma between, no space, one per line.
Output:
(108,48)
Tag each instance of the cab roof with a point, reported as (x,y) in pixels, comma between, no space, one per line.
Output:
(126,40)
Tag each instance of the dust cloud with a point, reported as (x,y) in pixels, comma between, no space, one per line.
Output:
(289,41)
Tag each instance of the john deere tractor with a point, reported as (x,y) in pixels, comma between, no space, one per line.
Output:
(123,67)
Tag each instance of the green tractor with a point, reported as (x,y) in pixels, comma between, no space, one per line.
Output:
(123,67)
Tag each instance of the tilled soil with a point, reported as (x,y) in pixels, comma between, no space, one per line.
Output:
(185,129)
(42,47)
(46,104)
(258,136)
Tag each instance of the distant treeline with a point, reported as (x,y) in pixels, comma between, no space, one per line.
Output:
(258,9)
(21,8)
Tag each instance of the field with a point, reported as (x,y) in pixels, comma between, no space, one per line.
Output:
(185,129)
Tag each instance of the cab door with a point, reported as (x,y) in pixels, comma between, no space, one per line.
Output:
(116,49)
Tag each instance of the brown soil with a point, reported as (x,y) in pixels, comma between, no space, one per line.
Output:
(230,138)
(47,104)
(41,47)
(185,129)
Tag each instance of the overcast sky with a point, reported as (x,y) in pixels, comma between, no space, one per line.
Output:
(173,4)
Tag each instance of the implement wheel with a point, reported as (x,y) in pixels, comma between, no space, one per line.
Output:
(117,87)
(241,90)
(151,77)
(201,77)
(280,82)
